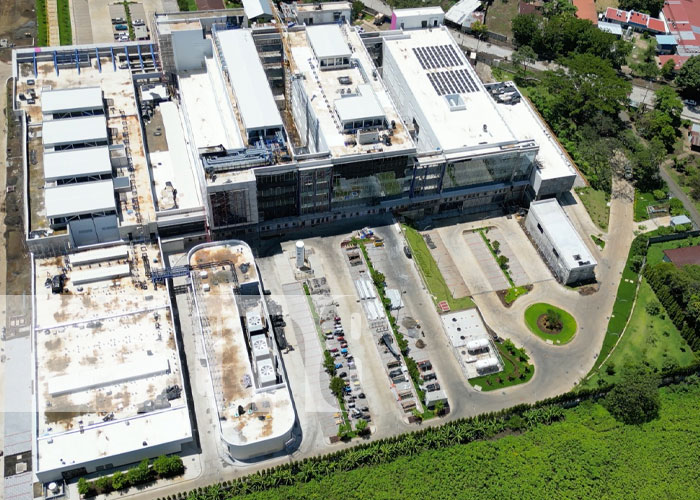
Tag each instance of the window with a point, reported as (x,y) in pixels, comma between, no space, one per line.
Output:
(540,228)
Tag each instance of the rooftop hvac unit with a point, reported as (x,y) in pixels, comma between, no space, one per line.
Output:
(367,136)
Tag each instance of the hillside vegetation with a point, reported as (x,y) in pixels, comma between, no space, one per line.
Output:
(587,455)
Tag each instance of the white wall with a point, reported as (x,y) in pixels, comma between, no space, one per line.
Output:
(406,103)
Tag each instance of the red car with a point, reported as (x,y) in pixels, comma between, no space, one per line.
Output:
(341,339)
(335,349)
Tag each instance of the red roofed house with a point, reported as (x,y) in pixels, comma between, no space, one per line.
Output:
(683,256)
(585,9)
(683,21)
(635,20)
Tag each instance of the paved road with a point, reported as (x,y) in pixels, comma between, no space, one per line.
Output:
(678,192)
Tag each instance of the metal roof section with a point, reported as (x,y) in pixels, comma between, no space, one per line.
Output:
(99,255)
(360,106)
(89,129)
(76,163)
(71,100)
(561,233)
(78,199)
(254,98)
(256,8)
(460,12)
(328,41)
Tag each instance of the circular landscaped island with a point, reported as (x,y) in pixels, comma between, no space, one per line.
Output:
(551,323)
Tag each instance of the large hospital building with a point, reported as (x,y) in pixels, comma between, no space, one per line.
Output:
(222,127)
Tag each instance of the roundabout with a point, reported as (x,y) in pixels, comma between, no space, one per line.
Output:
(550,323)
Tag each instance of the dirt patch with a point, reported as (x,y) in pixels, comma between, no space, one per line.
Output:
(89,360)
(588,289)
(52,345)
(542,325)
(58,363)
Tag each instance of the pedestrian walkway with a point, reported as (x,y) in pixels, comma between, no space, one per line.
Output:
(54,38)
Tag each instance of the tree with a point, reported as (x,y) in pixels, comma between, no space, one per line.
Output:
(103,484)
(328,362)
(524,55)
(635,398)
(502,262)
(553,8)
(337,386)
(656,124)
(525,27)
(139,474)
(653,308)
(496,245)
(357,8)
(119,480)
(552,319)
(83,486)
(652,7)
(688,79)
(667,101)
(362,427)
(168,466)
(668,69)
(479,30)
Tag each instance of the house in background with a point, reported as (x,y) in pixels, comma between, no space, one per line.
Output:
(683,256)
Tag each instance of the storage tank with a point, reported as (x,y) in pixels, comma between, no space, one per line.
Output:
(477,345)
(300,254)
(486,365)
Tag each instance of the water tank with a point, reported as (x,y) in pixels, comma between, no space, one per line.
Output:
(53,488)
(300,254)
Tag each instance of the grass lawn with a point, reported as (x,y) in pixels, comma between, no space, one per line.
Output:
(596,203)
(602,5)
(513,293)
(655,254)
(65,32)
(499,16)
(651,340)
(514,372)
(683,179)
(568,331)
(642,201)
(42,29)
(431,273)
(598,241)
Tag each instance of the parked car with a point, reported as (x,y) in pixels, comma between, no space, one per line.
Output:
(364,408)
(343,374)
(333,349)
(432,387)
(361,395)
(429,376)
(407,251)
(341,339)
(338,365)
(395,373)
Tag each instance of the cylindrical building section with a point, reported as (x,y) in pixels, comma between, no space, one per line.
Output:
(300,254)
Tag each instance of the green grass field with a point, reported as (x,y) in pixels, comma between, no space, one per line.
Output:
(42,28)
(65,32)
(514,372)
(499,16)
(568,323)
(514,292)
(431,273)
(642,201)
(596,203)
(651,340)
(655,253)
(598,241)
(587,455)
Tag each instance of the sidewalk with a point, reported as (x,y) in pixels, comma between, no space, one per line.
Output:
(52,23)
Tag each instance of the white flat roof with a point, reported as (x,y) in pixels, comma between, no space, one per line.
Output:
(460,12)
(362,106)
(76,199)
(209,109)
(250,86)
(99,255)
(103,351)
(76,163)
(561,232)
(92,275)
(327,40)
(527,124)
(74,130)
(419,11)
(268,410)
(477,124)
(74,99)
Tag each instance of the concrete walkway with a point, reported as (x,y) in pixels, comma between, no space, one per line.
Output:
(54,39)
